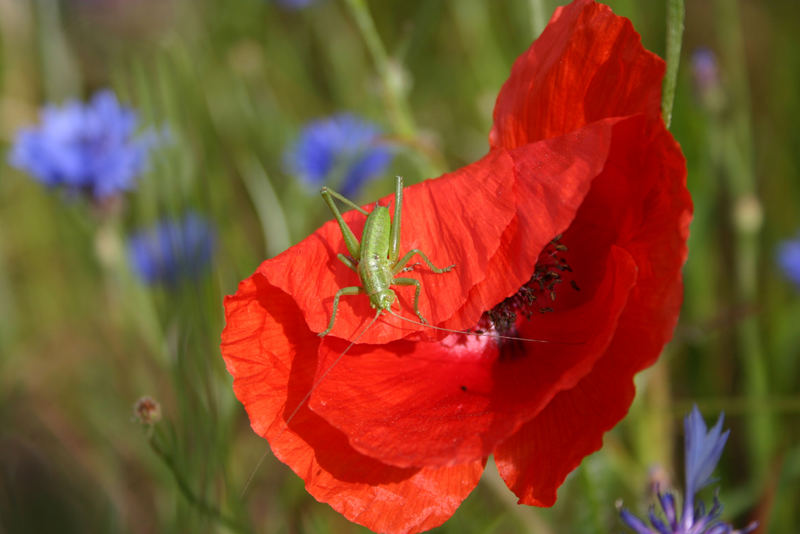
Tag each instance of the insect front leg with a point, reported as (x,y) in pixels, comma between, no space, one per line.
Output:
(350,239)
(405,259)
(412,282)
(352,290)
(348,261)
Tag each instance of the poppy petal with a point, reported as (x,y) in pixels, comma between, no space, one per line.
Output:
(395,434)
(463,218)
(445,403)
(639,203)
(455,219)
(552,177)
(587,65)
(261,344)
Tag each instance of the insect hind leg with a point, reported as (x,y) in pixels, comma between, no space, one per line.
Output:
(394,231)
(405,259)
(352,290)
(348,261)
(412,282)
(350,239)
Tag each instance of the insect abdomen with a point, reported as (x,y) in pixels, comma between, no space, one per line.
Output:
(373,266)
(375,237)
(375,275)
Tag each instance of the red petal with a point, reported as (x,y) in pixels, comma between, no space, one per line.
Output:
(639,203)
(456,219)
(466,218)
(450,402)
(587,65)
(552,177)
(380,497)
(269,352)
(535,461)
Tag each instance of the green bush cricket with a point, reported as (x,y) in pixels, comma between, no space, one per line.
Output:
(377,255)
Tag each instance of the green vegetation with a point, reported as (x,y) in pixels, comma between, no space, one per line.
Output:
(233,83)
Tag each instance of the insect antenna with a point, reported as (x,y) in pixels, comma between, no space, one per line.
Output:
(487,334)
(307,396)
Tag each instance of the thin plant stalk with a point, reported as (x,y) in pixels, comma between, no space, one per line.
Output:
(401,117)
(391,76)
(676,13)
(183,486)
(531,521)
(271,215)
(538,16)
(59,70)
(736,166)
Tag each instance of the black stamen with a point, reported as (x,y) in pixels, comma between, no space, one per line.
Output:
(548,275)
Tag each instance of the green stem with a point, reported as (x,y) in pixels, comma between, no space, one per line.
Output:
(388,70)
(655,434)
(538,20)
(274,225)
(183,485)
(591,498)
(7,308)
(530,520)
(391,76)
(59,72)
(675,15)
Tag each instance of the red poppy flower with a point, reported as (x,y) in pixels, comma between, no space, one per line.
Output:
(397,433)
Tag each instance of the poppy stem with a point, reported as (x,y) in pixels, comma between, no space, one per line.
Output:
(389,71)
(538,17)
(392,77)
(676,13)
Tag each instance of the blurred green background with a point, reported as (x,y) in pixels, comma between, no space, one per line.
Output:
(81,339)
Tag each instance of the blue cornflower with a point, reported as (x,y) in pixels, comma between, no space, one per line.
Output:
(294,4)
(707,79)
(703,449)
(705,69)
(789,259)
(84,148)
(342,150)
(172,250)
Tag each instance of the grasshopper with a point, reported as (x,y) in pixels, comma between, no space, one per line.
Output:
(375,257)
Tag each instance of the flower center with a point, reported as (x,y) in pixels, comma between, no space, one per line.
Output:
(536,295)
